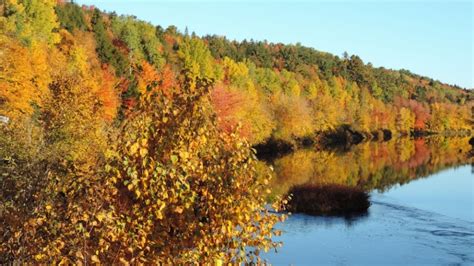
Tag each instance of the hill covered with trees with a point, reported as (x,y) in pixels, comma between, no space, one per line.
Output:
(272,90)
(129,142)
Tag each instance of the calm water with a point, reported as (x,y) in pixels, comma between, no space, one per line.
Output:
(422,208)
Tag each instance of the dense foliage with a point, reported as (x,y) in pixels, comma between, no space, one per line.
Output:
(163,184)
(308,91)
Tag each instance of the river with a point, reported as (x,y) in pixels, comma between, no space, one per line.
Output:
(422,205)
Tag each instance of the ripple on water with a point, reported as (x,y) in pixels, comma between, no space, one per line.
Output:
(391,233)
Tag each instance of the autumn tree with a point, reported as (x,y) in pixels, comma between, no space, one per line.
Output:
(185,192)
(325,112)
(141,39)
(420,111)
(238,102)
(405,121)
(106,51)
(71,16)
(294,119)
(196,59)
(31,21)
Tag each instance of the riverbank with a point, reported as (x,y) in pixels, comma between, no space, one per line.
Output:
(342,138)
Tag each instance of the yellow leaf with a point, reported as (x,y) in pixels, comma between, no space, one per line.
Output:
(79,255)
(184,155)
(39,257)
(174,159)
(63,261)
(134,149)
(143,152)
(123,261)
(95,259)
(100,216)
(159,215)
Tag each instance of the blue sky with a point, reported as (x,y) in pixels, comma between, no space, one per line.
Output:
(430,38)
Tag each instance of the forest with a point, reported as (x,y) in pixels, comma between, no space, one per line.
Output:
(122,141)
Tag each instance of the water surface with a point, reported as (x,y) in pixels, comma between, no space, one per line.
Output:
(422,208)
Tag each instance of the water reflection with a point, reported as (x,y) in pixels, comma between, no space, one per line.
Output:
(303,222)
(372,165)
(429,221)
(391,234)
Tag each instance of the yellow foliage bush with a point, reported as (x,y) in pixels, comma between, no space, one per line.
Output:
(170,189)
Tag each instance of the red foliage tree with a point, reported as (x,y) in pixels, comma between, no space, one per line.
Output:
(226,103)
(422,113)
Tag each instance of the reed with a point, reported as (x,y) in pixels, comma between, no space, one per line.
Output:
(330,199)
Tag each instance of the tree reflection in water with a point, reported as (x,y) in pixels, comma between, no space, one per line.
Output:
(370,166)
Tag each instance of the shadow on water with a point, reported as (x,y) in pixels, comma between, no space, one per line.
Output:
(302,221)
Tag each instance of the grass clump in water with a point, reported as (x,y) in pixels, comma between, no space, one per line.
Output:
(332,199)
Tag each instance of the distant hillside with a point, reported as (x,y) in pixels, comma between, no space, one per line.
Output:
(384,83)
(267,90)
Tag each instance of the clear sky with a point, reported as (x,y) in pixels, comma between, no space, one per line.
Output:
(429,38)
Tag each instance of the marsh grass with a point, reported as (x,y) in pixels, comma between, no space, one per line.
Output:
(331,200)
